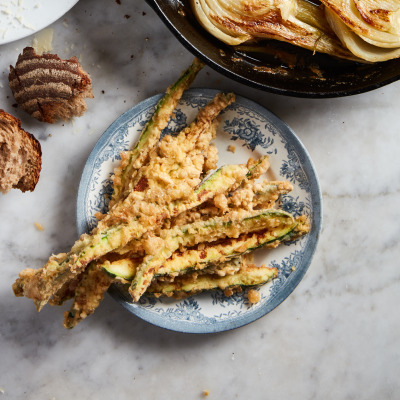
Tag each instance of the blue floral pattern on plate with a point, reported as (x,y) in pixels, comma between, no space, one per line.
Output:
(254,131)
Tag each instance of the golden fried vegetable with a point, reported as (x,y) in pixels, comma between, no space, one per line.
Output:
(357,44)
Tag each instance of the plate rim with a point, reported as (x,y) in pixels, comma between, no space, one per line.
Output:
(28,32)
(245,319)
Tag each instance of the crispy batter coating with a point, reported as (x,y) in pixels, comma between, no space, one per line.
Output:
(88,294)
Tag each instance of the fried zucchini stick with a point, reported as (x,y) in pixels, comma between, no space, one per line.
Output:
(202,257)
(88,294)
(202,146)
(206,254)
(221,180)
(179,161)
(135,215)
(43,283)
(257,168)
(230,225)
(262,195)
(251,196)
(187,285)
(133,159)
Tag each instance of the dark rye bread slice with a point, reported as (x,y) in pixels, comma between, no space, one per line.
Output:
(20,156)
(49,88)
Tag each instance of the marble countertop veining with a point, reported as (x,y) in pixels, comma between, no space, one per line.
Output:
(335,337)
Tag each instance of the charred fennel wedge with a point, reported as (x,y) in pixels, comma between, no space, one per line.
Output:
(246,276)
(375,21)
(230,225)
(298,22)
(357,45)
(133,159)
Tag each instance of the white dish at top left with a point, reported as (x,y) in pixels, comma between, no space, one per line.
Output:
(21,18)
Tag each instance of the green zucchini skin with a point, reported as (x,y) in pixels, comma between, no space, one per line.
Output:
(212,253)
(187,284)
(257,169)
(220,181)
(199,258)
(230,225)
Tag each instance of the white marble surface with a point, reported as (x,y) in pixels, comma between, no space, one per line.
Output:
(335,337)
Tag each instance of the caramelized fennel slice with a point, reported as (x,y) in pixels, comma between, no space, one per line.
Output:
(357,45)
(377,22)
(297,22)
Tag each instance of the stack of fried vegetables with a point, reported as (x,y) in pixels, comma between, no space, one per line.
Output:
(171,230)
(359,30)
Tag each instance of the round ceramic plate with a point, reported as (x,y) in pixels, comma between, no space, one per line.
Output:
(22,18)
(253,131)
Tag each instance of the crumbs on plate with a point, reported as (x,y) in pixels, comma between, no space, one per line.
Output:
(231,148)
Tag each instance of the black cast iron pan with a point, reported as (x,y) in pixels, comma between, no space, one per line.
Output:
(281,68)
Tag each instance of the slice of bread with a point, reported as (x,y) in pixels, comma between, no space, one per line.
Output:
(20,156)
(49,88)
